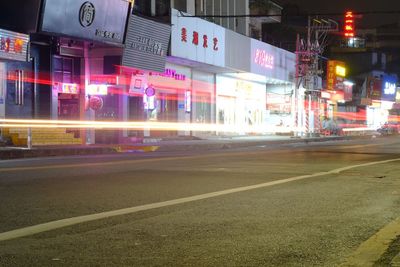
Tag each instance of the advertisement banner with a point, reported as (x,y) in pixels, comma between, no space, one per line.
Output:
(146,44)
(97,20)
(13,46)
(197,39)
(374,88)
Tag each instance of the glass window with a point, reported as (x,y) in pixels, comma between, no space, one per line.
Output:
(180,5)
(142,7)
(163,7)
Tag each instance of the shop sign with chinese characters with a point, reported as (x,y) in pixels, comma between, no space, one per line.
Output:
(264,59)
(13,46)
(335,75)
(96,20)
(349,25)
(267,60)
(197,40)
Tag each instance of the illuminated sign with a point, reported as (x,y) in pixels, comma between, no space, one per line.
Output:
(264,59)
(340,71)
(325,95)
(171,73)
(398,95)
(69,88)
(13,45)
(97,89)
(389,88)
(104,79)
(150,91)
(335,75)
(188,101)
(349,25)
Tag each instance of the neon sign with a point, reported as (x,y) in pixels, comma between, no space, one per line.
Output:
(69,88)
(349,25)
(264,59)
(97,89)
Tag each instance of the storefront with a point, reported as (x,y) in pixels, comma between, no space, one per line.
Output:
(156,90)
(84,79)
(16,87)
(240,103)
(277,66)
(378,112)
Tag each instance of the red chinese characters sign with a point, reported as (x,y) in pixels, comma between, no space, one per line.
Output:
(195,39)
(349,25)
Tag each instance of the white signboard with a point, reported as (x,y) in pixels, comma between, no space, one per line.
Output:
(197,39)
(271,61)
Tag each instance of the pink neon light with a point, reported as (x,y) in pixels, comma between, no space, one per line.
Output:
(264,59)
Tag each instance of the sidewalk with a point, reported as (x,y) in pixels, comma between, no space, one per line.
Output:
(164,145)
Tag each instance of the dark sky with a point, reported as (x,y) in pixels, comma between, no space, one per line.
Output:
(339,6)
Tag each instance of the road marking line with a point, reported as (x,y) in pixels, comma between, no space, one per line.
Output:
(373,249)
(40,228)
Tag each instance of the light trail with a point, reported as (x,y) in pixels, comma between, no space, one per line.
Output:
(142,125)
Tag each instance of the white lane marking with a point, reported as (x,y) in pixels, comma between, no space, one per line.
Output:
(372,250)
(44,227)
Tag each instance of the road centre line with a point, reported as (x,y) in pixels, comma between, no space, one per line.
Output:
(44,227)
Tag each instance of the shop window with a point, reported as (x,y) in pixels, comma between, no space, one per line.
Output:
(179,5)
(142,7)
(109,64)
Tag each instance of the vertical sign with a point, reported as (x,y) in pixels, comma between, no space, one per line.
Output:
(349,25)
(336,74)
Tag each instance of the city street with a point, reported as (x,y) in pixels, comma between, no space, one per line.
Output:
(298,204)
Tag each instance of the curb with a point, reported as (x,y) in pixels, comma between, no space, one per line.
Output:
(53,152)
(168,146)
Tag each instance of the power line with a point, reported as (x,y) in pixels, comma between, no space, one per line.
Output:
(382,12)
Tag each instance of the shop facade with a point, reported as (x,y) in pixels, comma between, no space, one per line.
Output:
(89,44)
(247,76)
(16,87)
(380,90)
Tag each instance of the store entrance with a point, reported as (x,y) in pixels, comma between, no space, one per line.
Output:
(167,111)
(136,113)
(68,107)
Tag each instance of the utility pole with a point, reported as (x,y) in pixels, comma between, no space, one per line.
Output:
(308,72)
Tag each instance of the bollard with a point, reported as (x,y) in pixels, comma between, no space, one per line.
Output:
(29,138)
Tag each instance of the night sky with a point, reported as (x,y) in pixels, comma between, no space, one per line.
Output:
(334,6)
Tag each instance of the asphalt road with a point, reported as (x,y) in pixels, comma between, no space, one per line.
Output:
(169,214)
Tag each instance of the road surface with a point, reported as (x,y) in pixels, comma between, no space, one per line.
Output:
(317,204)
